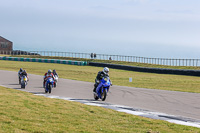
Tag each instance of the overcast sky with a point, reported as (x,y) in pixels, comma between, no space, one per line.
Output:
(153,28)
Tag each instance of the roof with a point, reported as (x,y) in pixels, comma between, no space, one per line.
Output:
(4,39)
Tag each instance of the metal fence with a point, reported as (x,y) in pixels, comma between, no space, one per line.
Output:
(136,59)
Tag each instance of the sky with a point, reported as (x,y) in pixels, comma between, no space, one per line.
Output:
(146,28)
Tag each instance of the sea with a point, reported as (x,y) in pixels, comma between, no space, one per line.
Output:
(140,50)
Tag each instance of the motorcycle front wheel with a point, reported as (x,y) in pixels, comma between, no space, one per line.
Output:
(23,85)
(50,87)
(104,94)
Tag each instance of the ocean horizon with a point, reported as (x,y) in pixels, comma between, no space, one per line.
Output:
(149,51)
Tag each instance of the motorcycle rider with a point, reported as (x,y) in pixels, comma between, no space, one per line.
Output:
(55,73)
(47,75)
(24,73)
(55,77)
(100,75)
(20,72)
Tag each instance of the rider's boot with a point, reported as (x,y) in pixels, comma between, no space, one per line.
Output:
(95,86)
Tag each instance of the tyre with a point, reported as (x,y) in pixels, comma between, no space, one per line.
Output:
(25,83)
(22,85)
(104,94)
(55,84)
(50,87)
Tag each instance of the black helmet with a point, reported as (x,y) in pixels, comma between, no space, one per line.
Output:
(20,69)
(54,71)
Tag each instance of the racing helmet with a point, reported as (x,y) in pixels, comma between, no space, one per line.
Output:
(54,71)
(105,70)
(20,69)
(49,71)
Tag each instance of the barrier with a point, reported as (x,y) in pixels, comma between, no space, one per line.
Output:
(114,66)
(149,70)
(69,62)
(136,59)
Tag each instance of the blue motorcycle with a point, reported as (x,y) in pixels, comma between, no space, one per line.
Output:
(49,85)
(102,89)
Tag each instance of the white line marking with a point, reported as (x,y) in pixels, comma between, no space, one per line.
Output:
(130,112)
(185,123)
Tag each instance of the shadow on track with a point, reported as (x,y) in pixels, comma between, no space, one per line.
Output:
(37,92)
(12,84)
(18,88)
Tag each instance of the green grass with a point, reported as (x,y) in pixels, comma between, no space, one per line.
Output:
(23,112)
(114,62)
(118,77)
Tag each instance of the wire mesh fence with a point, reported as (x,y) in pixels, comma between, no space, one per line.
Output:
(136,59)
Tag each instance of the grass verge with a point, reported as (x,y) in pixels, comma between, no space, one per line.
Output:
(24,112)
(118,77)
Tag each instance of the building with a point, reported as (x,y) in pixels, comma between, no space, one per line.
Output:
(5,45)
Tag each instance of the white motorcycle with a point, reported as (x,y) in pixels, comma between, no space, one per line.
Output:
(24,81)
(55,80)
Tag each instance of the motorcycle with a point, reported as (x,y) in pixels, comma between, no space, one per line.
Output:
(49,85)
(23,81)
(102,89)
(55,80)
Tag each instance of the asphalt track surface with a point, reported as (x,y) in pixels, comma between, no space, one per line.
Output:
(170,102)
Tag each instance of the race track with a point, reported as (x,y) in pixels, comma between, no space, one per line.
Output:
(170,102)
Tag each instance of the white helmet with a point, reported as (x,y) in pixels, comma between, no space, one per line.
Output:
(105,70)
(49,71)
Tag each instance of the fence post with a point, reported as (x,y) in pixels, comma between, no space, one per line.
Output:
(193,62)
(186,61)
